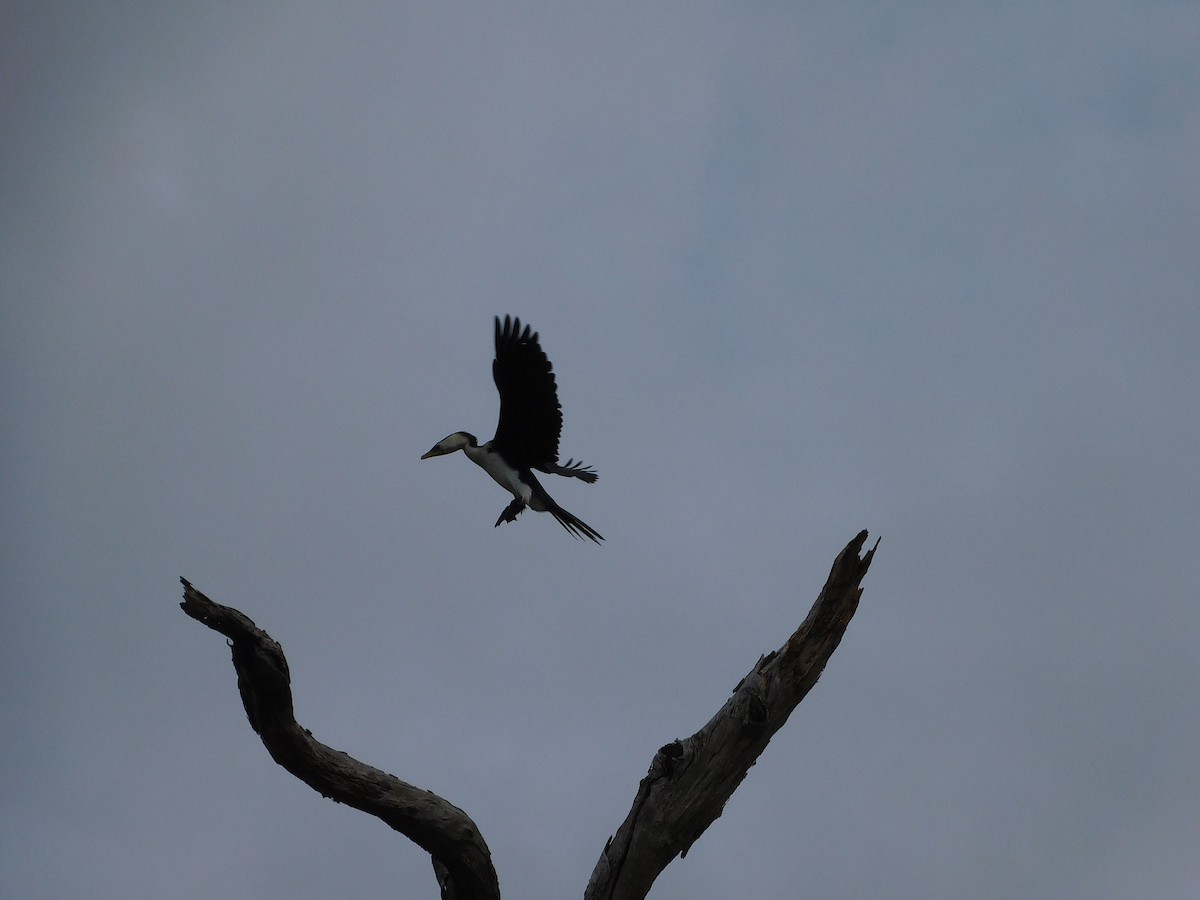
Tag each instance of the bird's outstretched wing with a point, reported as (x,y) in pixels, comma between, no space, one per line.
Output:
(530,416)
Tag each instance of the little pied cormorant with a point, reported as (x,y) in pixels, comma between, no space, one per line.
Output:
(527,434)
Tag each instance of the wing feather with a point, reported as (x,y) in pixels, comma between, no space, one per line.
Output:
(530,415)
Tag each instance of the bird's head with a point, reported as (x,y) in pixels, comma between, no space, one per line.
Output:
(460,440)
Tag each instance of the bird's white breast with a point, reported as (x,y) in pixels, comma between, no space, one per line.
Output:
(503,474)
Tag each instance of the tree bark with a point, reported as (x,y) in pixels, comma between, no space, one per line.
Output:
(684,792)
(461,859)
(690,780)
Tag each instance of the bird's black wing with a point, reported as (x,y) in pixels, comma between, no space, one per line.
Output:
(530,417)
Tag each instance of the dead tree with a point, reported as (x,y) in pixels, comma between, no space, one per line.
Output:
(683,793)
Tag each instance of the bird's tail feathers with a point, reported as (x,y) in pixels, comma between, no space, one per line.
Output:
(576,526)
(543,502)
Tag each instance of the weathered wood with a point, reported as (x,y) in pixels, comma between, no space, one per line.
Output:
(690,780)
(684,792)
(461,859)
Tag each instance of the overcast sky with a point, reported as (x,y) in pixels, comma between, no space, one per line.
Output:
(928,269)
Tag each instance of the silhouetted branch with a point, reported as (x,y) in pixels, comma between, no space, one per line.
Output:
(461,860)
(684,792)
(690,780)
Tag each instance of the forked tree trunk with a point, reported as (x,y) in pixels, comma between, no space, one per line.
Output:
(683,793)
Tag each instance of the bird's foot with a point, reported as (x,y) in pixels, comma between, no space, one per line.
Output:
(511,512)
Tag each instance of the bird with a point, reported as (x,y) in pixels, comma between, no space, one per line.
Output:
(528,431)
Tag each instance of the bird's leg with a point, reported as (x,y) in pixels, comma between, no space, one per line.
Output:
(511,512)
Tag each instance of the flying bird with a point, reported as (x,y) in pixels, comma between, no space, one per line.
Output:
(527,433)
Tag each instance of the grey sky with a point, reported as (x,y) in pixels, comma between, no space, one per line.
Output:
(926,270)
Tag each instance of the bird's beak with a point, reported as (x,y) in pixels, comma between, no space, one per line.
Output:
(434,452)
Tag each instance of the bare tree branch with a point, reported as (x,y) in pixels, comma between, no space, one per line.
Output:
(690,780)
(461,859)
(684,792)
